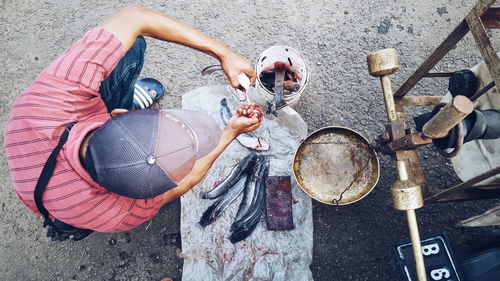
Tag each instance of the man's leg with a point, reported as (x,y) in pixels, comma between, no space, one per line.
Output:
(117,90)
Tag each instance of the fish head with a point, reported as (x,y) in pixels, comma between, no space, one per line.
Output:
(253,142)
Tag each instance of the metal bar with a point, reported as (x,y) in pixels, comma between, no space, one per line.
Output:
(465,185)
(417,247)
(409,142)
(439,74)
(483,42)
(388,97)
(456,35)
(491,18)
(482,91)
(411,156)
(481,7)
(487,186)
(472,193)
(419,100)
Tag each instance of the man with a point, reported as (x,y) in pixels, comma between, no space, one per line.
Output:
(81,160)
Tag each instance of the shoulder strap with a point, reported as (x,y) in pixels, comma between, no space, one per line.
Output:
(46,174)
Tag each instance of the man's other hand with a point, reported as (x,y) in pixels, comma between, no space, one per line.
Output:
(234,64)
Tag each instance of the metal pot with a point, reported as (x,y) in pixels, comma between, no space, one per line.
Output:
(335,166)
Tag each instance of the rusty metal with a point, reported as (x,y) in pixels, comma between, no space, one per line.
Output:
(390,107)
(483,41)
(458,146)
(491,18)
(481,7)
(407,196)
(335,166)
(416,173)
(447,45)
(481,17)
(439,74)
(487,186)
(465,185)
(381,64)
(395,130)
(482,91)
(411,141)
(400,141)
(419,100)
(472,193)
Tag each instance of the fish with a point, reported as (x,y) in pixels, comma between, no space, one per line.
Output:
(250,190)
(249,140)
(210,69)
(255,189)
(245,225)
(215,210)
(235,174)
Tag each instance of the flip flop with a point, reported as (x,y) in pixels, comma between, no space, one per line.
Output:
(142,95)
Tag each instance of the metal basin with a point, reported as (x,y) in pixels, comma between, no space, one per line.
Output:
(334,165)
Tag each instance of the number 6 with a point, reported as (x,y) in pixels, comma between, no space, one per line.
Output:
(437,274)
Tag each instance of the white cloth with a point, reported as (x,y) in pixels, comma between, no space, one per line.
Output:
(264,255)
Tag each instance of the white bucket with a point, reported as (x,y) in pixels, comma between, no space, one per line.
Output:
(290,57)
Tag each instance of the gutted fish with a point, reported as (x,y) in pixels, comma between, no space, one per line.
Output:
(249,140)
(244,226)
(216,209)
(250,189)
(235,174)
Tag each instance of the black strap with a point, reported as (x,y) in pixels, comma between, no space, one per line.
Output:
(46,174)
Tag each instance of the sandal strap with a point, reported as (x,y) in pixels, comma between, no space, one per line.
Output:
(142,98)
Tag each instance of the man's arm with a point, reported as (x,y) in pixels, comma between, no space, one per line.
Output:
(135,21)
(236,126)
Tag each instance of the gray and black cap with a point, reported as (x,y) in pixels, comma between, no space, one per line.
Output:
(144,153)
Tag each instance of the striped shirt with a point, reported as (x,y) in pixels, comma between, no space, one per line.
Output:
(66,92)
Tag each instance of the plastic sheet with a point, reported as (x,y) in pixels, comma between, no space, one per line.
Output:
(264,255)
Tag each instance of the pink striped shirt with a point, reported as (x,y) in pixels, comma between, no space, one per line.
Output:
(65,92)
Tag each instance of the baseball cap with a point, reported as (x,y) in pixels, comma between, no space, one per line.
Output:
(144,153)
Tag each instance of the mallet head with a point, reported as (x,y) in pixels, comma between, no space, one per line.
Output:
(383,62)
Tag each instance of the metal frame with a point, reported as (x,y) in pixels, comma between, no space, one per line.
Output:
(404,146)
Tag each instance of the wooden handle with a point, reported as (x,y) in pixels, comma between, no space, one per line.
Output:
(291,86)
(448,117)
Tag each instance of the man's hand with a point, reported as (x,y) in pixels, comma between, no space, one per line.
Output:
(239,125)
(234,64)
(236,126)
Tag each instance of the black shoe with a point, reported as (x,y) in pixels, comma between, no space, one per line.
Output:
(62,231)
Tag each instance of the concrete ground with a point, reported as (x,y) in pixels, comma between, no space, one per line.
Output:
(350,242)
